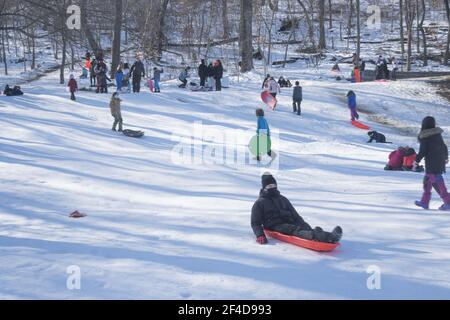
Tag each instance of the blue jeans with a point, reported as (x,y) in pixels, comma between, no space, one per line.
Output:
(157,88)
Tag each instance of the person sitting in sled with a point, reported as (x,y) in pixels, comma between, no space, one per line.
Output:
(351,96)
(274,212)
(435,152)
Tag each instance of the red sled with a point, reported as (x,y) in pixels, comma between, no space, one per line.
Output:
(151,85)
(269,99)
(360,125)
(307,244)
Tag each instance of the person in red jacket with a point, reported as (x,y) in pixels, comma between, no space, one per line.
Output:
(73,86)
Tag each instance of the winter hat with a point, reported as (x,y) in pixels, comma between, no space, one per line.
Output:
(259,112)
(72,77)
(350,93)
(267,180)
(428,123)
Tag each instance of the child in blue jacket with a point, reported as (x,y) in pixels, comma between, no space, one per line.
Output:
(119,78)
(351,96)
(263,128)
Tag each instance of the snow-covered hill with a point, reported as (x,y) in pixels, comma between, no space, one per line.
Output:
(159,228)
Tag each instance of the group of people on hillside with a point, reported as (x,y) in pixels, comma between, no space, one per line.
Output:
(382,71)
(210,75)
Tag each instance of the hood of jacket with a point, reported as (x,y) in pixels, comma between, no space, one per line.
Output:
(430,132)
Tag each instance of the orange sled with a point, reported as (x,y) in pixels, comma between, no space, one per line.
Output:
(360,125)
(307,244)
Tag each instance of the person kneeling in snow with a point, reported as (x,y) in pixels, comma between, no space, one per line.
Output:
(274,212)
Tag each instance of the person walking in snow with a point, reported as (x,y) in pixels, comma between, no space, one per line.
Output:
(184,75)
(263,130)
(435,152)
(101,71)
(211,81)
(157,78)
(92,75)
(274,212)
(119,78)
(116,112)
(273,87)
(126,77)
(266,79)
(73,87)
(218,74)
(297,98)
(351,97)
(203,73)
(394,69)
(138,72)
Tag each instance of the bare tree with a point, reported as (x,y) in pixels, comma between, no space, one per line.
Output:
(246,35)
(117,37)
(410,14)
(424,36)
(322,41)
(358,30)
(447,49)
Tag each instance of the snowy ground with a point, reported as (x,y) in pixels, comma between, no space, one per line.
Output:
(161,229)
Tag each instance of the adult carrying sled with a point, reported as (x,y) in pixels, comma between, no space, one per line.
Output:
(360,125)
(307,244)
(268,99)
(133,133)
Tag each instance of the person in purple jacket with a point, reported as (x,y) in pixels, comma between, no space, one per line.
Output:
(351,96)
(435,152)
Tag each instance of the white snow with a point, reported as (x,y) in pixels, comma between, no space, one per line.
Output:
(157,229)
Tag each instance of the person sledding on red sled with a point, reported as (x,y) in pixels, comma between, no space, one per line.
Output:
(403,159)
(274,212)
(435,152)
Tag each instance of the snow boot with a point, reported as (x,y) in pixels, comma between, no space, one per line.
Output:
(445,207)
(422,205)
(337,234)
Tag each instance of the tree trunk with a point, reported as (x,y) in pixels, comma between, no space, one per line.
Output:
(310,25)
(349,24)
(447,49)
(5,61)
(402,35)
(418,27)
(63,59)
(246,35)
(95,47)
(424,36)
(322,41)
(162,17)
(410,14)
(226,26)
(117,37)
(358,30)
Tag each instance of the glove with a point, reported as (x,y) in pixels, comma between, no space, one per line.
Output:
(262,240)
(415,165)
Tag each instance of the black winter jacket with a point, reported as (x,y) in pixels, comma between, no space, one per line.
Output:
(298,93)
(203,71)
(138,70)
(272,209)
(218,72)
(434,150)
